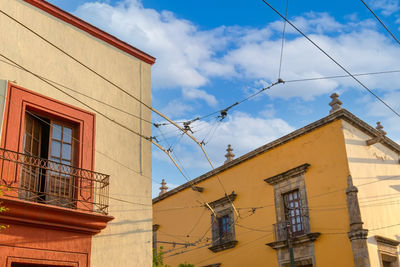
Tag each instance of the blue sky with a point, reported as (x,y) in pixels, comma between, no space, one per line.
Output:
(211,54)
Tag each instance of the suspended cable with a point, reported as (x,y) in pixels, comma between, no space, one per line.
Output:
(331,58)
(381,22)
(283,39)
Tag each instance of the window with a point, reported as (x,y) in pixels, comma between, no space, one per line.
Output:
(293,213)
(223,225)
(54,141)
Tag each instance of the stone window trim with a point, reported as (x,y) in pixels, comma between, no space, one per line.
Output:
(227,199)
(299,263)
(297,171)
(223,207)
(388,249)
(284,183)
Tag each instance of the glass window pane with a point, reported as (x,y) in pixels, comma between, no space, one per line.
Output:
(66,152)
(66,162)
(35,148)
(29,122)
(55,148)
(67,135)
(28,143)
(56,131)
(36,130)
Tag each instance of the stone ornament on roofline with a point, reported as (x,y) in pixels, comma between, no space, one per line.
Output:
(335,103)
(229,155)
(163,188)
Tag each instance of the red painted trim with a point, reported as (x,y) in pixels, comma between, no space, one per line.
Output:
(20,99)
(92,30)
(51,217)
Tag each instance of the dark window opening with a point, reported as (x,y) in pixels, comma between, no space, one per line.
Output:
(224,226)
(48,143)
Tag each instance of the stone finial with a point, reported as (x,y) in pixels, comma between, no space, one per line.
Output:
(163,188)
(379,127)
(335,103)
(229,156)
(380,137)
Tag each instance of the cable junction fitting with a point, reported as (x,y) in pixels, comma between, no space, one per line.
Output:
(224,112)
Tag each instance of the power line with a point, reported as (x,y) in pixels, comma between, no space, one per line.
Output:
(95,110)
(80,93)
(331,58)
(342,76)
(381,22)
(283,39)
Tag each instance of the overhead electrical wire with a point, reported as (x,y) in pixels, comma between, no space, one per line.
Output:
(283,40)
(381,22)
(332,59)
(98,112)
(119,88)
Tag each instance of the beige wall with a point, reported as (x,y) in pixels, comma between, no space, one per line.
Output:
(127,239)
(326,184)
(376,172)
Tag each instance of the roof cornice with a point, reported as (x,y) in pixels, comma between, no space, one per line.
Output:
(92,30)
(339,114)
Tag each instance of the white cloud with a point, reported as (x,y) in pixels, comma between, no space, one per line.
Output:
(193,93)
(243,131)
(183,52)
(387,7)
(188,57)
(176,108)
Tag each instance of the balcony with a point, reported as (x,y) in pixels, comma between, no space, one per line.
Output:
(48,182)
(301,235)
(223,242)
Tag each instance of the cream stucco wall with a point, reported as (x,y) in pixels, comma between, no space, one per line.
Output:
(127,239)
(325,180)
(376,172)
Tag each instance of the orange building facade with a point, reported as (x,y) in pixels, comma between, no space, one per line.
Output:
(66,167)
(327,190)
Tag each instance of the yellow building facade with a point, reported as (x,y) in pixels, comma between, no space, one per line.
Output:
(329,190)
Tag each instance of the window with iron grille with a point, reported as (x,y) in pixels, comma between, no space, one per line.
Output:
(223,228)
(293,212)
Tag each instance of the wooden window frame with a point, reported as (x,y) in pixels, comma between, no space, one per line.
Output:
(291,215)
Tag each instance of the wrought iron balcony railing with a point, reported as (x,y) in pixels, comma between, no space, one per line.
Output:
(282,229)
(222,239)
(44,181)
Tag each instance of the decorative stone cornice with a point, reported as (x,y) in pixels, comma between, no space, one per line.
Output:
(310,237)
(223,200)
(341,114)
(387,241)
(358,234)
(299,170)
(223,246)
